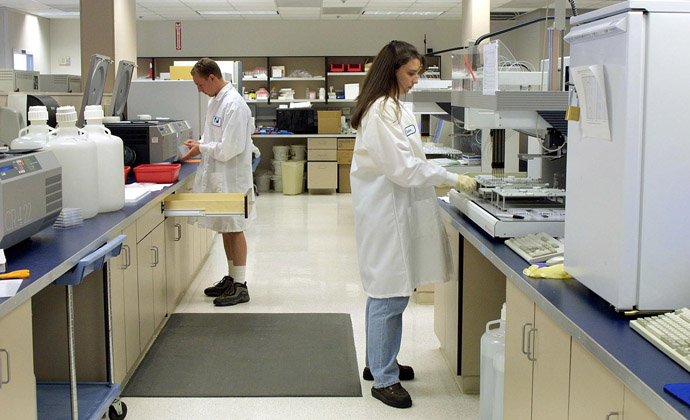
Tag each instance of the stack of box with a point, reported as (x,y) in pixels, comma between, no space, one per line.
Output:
(346,148)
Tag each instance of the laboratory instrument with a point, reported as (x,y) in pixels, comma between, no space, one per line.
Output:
(506,207)
(146,141)
(536,247)
(19,80)
(67,83)
(669,332)
(627,224)
(30,194)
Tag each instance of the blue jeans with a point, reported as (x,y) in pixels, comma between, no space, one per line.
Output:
(384,333)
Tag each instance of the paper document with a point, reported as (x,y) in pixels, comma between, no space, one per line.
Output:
(490,84)
(8,288)
(591,93)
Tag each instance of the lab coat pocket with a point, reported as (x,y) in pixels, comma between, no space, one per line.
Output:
(423,217)
(216,182)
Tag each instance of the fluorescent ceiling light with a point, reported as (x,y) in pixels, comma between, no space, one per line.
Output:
(378,12)
(57,14)
(238,12)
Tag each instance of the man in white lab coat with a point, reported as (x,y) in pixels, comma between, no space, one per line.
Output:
(226,167)
(401,243)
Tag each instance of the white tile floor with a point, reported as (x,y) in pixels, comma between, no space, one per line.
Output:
(302,258)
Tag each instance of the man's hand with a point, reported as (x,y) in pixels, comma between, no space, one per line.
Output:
(193,147)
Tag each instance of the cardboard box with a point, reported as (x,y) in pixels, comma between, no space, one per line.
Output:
(326,143)
(329,122)
(344,179)
(346,143)
(345,157)
(181,72)
(322,175)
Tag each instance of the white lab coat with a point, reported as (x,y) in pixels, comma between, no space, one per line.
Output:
(401,242)
(226,156)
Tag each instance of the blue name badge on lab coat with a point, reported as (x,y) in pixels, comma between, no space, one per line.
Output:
(410,130)
(216,121)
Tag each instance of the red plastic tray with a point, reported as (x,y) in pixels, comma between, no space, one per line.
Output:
(127,169)
(158,174)
(354,67)
(337,67)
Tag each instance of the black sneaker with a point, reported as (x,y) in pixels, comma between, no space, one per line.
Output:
(234,295)
(406,373)
(219,288)
(394,395)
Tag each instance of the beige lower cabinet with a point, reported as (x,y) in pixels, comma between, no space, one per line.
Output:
(463,306)
(177,258)
(17,381)
(537,365)
(548,375)
(151,280)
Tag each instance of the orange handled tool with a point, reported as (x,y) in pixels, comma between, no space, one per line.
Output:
(19,274)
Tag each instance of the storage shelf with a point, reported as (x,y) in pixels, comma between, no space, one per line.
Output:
(252,79)
(342,100)
(347,73)
(93,400)
(298,79)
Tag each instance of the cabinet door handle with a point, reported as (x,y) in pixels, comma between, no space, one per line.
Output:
(125,258)
(155,255)
(178,228)
(613,413)
(524,327)
(7,356)
(530,341)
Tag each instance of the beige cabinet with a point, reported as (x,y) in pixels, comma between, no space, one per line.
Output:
(537,365)
(177,265)
(151,282)
(548,375)
(125,306)
(463,306)
(17,381)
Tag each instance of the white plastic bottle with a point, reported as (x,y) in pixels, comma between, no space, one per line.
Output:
(111,162)
(499,383)
(77,156)
(34,135)
(493,342)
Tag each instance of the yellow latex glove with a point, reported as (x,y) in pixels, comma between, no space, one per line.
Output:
(466,183)
(555,271)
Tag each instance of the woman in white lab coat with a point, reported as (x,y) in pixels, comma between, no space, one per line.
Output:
(401,243)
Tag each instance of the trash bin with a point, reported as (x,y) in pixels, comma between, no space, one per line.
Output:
(293,174)
(263,181)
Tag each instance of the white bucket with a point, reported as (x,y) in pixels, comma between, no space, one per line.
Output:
(281,152)
(298,151)
(263,182)
(277,169)
(277,183)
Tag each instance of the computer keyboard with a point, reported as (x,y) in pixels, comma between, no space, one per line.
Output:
(669,333)
(536,247)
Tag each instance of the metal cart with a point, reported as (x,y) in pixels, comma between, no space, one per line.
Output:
(72,400)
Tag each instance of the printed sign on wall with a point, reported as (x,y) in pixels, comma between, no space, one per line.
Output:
(178,35)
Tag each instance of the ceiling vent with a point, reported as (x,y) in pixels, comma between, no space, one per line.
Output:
(299,3)
(506,15)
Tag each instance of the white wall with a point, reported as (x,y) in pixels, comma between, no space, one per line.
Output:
(290,38)
(25,32)
(64,42)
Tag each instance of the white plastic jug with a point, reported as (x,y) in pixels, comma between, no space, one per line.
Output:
(36,134)
(78,158)
(493,342)
(109,149)
(499,383)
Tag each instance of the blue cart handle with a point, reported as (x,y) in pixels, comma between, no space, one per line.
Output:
(92,262)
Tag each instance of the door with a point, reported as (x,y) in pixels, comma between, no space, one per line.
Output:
(518,366)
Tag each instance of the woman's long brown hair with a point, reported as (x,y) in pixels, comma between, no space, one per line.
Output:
(381,80)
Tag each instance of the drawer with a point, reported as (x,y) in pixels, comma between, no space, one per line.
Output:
(322,175)
(148,222)
(325,155)
(345,157)
(346,143)
(322,143)
(207,204)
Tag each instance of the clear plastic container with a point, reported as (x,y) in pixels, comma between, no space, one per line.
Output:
(78,158)
(493,343)
(109,148)
(35,135)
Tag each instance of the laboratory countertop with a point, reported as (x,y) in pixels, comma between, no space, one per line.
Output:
(301,136)
(591,321)
(52,252)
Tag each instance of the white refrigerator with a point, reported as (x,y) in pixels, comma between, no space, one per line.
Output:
(627,232)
